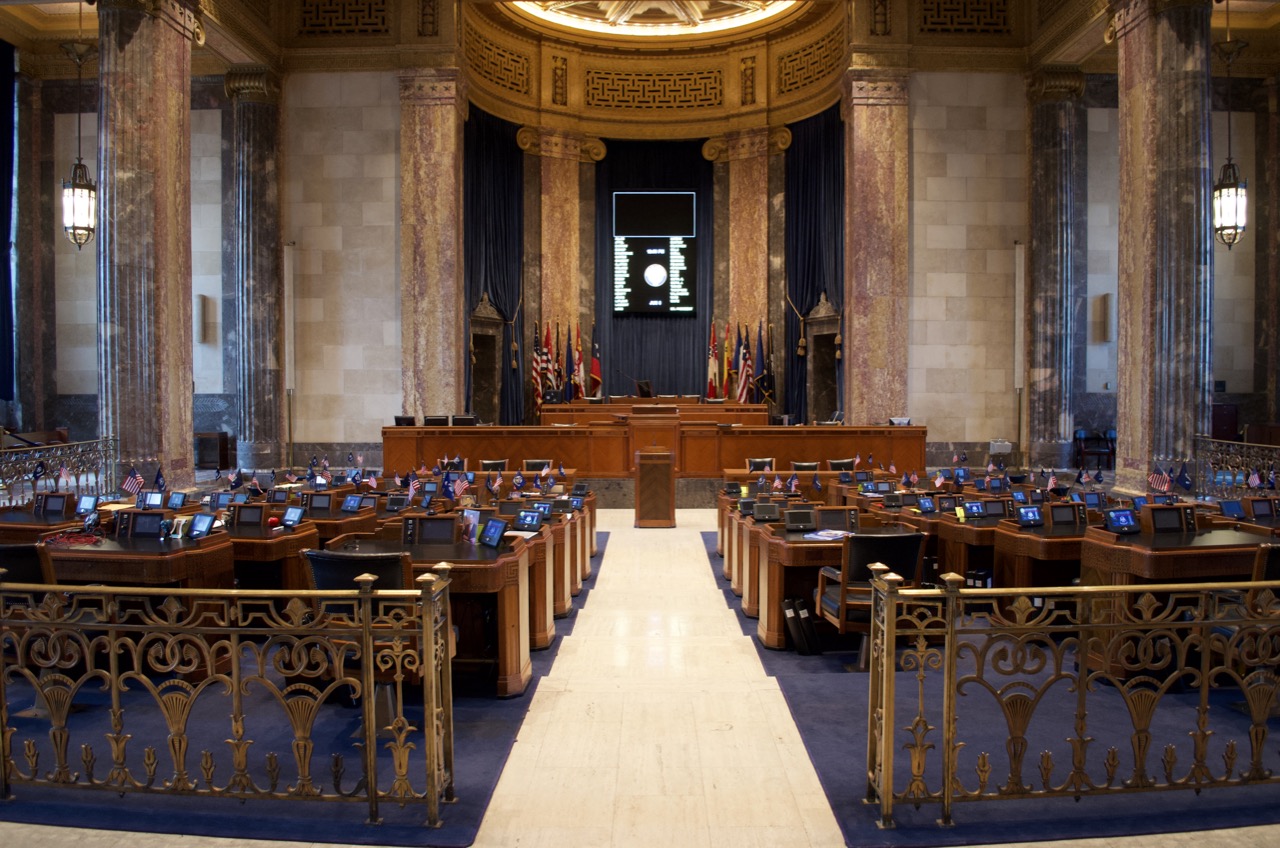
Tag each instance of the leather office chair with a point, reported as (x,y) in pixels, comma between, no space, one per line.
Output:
(1102,447)
(843,597)
(804,466)
(26,563)
(762,463)
(494,465)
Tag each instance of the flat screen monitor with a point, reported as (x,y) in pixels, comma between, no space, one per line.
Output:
(491,535)
(910,498)
(1062,514)
(884,486)
(278,496)
(766,512)
(351,503)
(430,488)
(543,506)
(1139,502)
(800,520)
(395,503)
(292,516)
(867,488)
(86,504)
(249,515)
(993,509)
(527,519)
(368,501)
(846,477)
(1093,500)
(732,489)
(746,506)
(1037,496)
(201,524)
(435,421)
(1166,521)
(945,473)
(464,420)
(947,503)
(1020,497)
(862,477)
(975,509)
(655,250)
(146,525)
(997,484)
(1029,516)
(962,474)
(321,502)
(840,464)
(980,484)
(150,500)
(581,489)
(511,508)
(1121,521)
(56,504)
(177,500)
(926,505)
(1261,508)
(833,519)
(1231,509)
(1164,500)
(575,501)
(240,497)
(1077,497)
(319,484)
(220,500)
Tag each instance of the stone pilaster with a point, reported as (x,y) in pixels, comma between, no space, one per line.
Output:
(433,105)
(1056,302)
(558,155)
(747,155)
(144,235)
(1166,276)
(255,98)
(876,237)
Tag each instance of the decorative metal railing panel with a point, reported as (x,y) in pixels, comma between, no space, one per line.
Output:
(1077,676)
(230,694)
(89,469)
(1235,469)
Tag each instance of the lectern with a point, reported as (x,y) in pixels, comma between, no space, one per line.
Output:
(655,489)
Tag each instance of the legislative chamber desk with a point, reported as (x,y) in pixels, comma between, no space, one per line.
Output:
(1036,556)
(607,450)
(22,526)
(489,586)
(330,525)
(1108,559)
(966,546)
(687,409)
(206,563)
(1266,528)
(267,557)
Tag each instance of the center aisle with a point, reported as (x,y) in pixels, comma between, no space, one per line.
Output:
(657,725)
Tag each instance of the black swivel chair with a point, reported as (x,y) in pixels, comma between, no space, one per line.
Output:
(26,563)
(844,595)
(494,465)
(804,466)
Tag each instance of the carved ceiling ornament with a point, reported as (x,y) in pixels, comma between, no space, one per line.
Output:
(651,18)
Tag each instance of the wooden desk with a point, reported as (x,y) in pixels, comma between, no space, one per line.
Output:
(206,563)
(1267,528)
(488,583)
(718,413)
(267,558)
(335,523)
(967,546)
(1036,556)
(1108,559)
(22,527)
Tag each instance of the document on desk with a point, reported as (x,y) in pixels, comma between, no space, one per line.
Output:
(522,534)
(827,535)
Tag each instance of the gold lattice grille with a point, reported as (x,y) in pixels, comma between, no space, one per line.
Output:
(811,63)
(609,89)
(497,64)
(344,17)
(967,17)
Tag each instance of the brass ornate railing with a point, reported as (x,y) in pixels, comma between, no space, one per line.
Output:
(25,470)
(247,679)
(1113,659)
(1223,469)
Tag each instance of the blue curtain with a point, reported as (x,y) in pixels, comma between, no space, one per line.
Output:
(493,223)
(669,351)
(8,103)
(814,241)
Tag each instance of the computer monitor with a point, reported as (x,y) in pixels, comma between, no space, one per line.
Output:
(575,501)
(1261,508)
(240,497)
(150,500)
(351,503)
(766,512)
(368,501)
(947,503)
(926,505)
(962,474)
(1019,497)
(292,516)
(845,478)
(581,490)
(1139,502)
(884,486)
(319,484)
(1077,497)
(1037,496)
(512,507)
(86,504)
(994,509)
(945,473)
(862,476)
(1029,516)
(177,500)
(395,503)
(1164,500)
(435,421)
(980,485)
(278,496)
(1093,500)
(220,500)
(644,389)
(1121,521)
(146,525)
(1166,520)
(997,484)
(975,509)
(528,519)
(54,504)
(320,502)
(1063,514)
(543,506)
(746,506)
(464,421)
(910,498)
(491,535)
(201,524)
(799,520)
(249,515)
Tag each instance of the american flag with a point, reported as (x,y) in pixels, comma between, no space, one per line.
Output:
(133,482)
(372,481)
(546,469)
(857,460)
(1255,479)
(326,474)
(291,477)
(991,467)
(914,478)
(939,480)
(460,486)
(1158,480)
(64,475)
(893,469)
(414,484)
(777,482)
(1053,480)
(955,459)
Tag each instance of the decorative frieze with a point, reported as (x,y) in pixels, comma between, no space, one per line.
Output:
(876,91)
(966,17)
(1055,84)
(881,14)
(748,80)
(560,80)
(610,89)
(344,17)
(429,18)
(811,63)
(746,145)
(496,64)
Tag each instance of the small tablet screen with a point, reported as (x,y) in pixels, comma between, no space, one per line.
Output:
(1019,497)
(86,504)
(177,500)
(925,504)
(201,524)
(974,509)
(1232,509)
(528,519)
(351,503)
(491,535)
(292,516)
(1121,521)
(1029,516)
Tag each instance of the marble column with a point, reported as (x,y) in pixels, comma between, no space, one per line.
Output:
(558,156)
(1056,300)
(144,235)
(747,156)
(255,99)
(1165,281)
(433,106)
(876,237)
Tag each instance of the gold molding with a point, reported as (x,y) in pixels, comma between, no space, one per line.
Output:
(251,85)
(875,89)
(1049,84)
(747,144)
(434,87)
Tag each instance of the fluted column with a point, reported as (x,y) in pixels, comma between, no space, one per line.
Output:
(433,104)
(1057,297)
(144,235)
(875,248)
(255,99)
(558,156)
(747,154)
(1166,272)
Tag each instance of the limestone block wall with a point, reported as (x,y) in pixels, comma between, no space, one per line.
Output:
(968,209)
(1104,250)
(206,249)
(339,199)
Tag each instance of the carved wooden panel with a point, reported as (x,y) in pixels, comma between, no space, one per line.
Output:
(344,17)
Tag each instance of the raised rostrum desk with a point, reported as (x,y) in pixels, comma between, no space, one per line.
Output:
(206,563)
(791,571)
(485,580)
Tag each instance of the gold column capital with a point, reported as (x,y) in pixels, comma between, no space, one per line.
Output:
(251,84)
(746,144)
(434,87)
(559,144)
(1055,83)
(881,88)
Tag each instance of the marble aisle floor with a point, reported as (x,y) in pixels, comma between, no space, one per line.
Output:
(656,727)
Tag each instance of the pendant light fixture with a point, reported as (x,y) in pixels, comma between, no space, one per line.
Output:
(1230,192)
(79,193)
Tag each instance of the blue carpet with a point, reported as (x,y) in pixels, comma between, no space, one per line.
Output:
(485,728)
(829,705)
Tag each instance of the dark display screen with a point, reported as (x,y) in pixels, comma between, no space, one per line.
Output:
(654,252)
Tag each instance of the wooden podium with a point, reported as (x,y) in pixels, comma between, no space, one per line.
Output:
(655,489)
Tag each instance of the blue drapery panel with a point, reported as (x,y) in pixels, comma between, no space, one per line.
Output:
(815,239)
(669,351)
(8,95)
(493,223)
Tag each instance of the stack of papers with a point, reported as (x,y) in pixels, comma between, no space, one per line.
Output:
(827,535)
